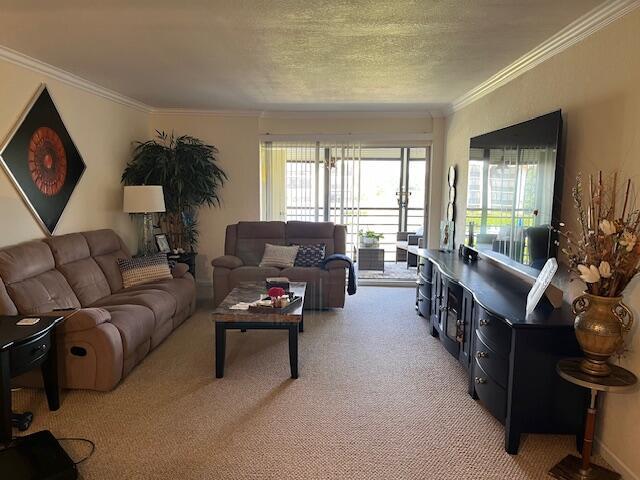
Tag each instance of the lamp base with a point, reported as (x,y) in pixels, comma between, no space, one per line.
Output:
(146,245)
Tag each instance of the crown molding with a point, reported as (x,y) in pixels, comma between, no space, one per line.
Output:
(342,114)
(63,76)
(573,33)
(205,113)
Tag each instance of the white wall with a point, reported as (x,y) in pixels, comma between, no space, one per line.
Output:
(596,84)
(102,131)
(236,138)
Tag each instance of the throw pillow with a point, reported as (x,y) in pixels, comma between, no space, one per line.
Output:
(278,256)
(310,255)
(136,271)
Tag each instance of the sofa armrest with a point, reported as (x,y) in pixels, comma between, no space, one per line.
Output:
(227,261)
(179,270)
(82,319)
(335,264)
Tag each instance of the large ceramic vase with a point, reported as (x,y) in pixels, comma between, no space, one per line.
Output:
(600,325)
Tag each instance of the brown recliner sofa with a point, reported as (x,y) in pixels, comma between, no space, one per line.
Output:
(244,247)
(107,330)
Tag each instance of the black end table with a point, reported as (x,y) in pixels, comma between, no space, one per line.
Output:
(23,348)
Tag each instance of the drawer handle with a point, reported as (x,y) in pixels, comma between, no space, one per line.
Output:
(481,380)
(481,354)
(42,347)
(484,322)
(421,284)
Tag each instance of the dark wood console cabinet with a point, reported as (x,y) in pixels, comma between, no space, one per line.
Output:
(477,310)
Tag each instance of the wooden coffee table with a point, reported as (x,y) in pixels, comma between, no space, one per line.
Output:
(227,319)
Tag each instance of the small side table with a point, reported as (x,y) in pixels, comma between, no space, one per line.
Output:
(370,258)
(23,347)
(571,467)
(189,258)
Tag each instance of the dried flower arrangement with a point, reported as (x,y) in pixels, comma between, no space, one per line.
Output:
(605,253)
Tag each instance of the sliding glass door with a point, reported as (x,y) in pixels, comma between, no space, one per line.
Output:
(367,188)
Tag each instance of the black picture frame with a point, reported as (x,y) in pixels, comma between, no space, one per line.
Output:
(42,161)
(162,243)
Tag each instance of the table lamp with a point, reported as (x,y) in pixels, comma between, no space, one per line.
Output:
(145,200)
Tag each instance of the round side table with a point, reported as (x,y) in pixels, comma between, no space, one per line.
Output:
(620,379)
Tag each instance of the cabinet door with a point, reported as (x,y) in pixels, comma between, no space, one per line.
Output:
(450,316)
(436,295)
(465,328)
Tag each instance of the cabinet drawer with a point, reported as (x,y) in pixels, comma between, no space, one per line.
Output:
(424,305)
(491,362)
(23,357)
(426,267)
(493,332)
(424,287)
(490,394)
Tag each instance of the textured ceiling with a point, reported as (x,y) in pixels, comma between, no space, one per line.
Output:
(285,55)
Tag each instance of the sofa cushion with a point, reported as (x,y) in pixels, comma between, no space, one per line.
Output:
(252,237)
(86,280)
(73,259)
(24,261)
(309,233)
(106,248)
(182,289)
(42,293)
(279,256)
(135,324)
(140,270)
(7,307)
(252,274)
(161,303)
(305,274)
(102,242)
(68,248)
(310,255)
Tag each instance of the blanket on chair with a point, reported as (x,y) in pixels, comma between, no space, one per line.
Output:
(352,286)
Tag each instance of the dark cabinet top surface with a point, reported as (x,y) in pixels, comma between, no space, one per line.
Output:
(498,291)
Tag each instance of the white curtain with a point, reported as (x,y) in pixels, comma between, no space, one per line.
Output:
(311,181)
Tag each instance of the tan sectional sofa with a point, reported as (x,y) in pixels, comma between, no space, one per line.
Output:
(244,247)
(107,329)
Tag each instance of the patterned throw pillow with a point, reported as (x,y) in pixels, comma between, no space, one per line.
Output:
(136,271)
(278,256)
(310,255)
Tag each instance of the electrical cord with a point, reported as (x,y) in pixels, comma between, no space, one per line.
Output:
(79,439)
(63,439)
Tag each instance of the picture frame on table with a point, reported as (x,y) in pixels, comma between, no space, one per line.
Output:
(162,243)
(446,235)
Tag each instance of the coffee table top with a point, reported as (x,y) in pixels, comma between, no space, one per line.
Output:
(250,292)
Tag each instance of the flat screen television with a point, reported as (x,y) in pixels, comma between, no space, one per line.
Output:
(514,191)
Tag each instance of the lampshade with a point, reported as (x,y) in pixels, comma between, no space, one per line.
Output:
(143,199)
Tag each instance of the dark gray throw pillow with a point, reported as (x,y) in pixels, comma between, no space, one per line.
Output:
(310,255)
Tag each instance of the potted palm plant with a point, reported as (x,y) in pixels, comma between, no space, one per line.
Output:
(187,169)
(605,254)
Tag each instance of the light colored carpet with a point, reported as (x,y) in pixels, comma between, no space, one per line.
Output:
(377,398)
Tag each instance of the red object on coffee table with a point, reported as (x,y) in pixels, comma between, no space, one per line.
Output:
(276,292)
